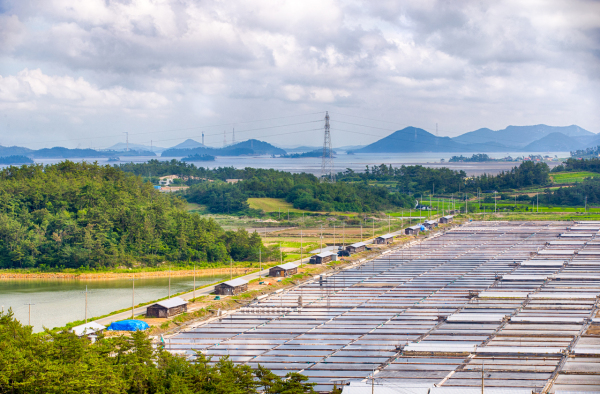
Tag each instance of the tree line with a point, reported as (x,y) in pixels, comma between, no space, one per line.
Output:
(303,191)
(571,164)
(60,362)
(74,215)
(419,179)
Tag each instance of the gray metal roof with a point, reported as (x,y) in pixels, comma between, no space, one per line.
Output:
(386,236)
(358,244)
(287,266)
(325,254)
(172,302)
(235,282)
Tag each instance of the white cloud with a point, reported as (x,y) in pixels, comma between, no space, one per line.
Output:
(466,64)
(34,90)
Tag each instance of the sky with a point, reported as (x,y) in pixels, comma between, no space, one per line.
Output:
(82,73)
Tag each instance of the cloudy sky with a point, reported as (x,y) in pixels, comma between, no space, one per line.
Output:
(80,73)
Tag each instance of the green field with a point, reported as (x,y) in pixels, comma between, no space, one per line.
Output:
(272,205)
(572,177)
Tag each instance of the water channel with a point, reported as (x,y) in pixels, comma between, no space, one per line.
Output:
(60,301)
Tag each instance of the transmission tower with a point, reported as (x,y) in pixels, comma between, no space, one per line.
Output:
(327,174)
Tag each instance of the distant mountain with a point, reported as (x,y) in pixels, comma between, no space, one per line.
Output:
(122,146)
(250,147)
(555,142)
(59,152)
(519,136)
(538,138)
(188,144)
(412,139)
(14,151)
(302,149)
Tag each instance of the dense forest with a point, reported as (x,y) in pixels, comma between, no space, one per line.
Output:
(573,196)
(84,215)
(303,190)
(571,164)
(53,362)
(419,179)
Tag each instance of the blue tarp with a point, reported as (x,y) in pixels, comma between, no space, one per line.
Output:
(128,325)
(423,228)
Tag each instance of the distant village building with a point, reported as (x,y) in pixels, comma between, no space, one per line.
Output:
(232,180)
(283,270)
(413,230)
(384,239)
(231,287)
(323,258)
(357,247)
(90,329)
(167,180)
(446,219)
(430,224)
(167,308)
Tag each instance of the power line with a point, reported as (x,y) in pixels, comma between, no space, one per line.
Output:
(186,128)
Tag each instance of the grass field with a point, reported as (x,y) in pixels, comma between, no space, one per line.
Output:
(572,177)
(272,205)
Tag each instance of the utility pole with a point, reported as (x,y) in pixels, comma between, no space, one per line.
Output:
(389,223)
(169,280)
(373,228)
(334,235)
(495,201)
(194,293)
(344,235)
(133,294)
(29,304)
(260,261)
(86,302)
(126,140)
(585,209)
(321,250)
(280,253)
(537,199)
(231,265)
(301,256)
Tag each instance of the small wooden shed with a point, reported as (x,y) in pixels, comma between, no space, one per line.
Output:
(323,258)
(232,287)
(446,219)
(356,248)
(167,308)
(412,230)
(430,224)
(384,239)
(283,270)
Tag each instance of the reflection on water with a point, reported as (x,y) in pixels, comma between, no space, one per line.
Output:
(57,302)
